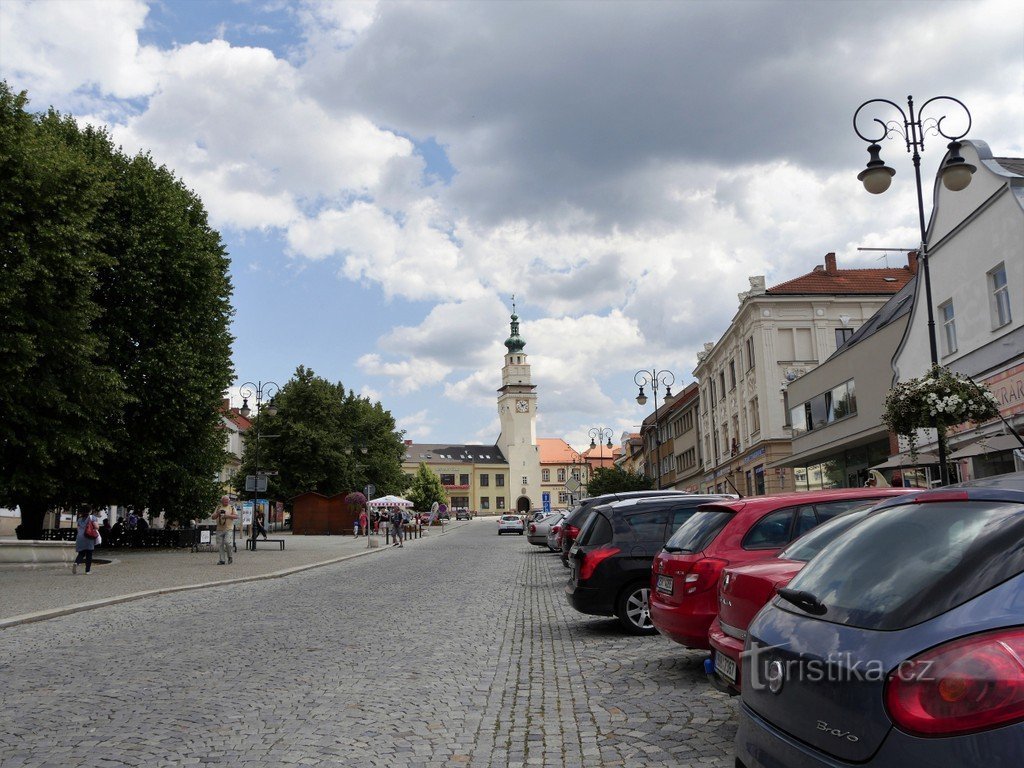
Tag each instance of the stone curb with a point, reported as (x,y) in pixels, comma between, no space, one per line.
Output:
(53,613)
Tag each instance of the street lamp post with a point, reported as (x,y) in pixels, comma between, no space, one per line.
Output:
(578,460)
(367,492)
(259,389)
(956,175)
(655,379)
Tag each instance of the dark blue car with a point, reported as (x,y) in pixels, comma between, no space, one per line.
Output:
(901,644)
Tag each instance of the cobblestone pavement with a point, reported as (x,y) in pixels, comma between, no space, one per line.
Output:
(458,651)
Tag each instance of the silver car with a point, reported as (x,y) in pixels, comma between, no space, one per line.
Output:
(537,531)
(510,524)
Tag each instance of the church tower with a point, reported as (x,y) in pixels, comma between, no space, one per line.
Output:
(517,409)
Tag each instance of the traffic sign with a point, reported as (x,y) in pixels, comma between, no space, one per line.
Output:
(546,500)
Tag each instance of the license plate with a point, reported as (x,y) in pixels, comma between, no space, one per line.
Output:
(665,584)
(726,667)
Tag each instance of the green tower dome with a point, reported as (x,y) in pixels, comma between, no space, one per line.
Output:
(515,343)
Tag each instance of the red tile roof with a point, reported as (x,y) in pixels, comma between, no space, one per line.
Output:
(845,281)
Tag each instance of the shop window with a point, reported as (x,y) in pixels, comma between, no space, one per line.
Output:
(485,502)
(500,502)
(759,480)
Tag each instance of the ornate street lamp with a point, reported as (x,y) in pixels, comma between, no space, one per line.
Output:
(260,389)
(600,434)
(654,378)
(956,176)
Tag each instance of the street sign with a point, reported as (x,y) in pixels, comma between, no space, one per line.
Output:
(546,500)
(572,485)
(252,485)
(369,490)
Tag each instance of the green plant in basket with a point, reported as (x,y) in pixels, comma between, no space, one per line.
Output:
(940,399)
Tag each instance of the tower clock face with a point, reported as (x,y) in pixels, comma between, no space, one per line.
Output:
(522,406)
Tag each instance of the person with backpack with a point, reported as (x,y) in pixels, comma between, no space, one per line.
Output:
(85,540)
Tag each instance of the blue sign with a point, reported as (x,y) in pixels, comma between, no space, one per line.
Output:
(546,499)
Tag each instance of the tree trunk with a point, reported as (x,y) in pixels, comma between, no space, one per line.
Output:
(32,514)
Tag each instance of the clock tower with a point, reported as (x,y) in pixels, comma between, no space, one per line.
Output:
(517,410)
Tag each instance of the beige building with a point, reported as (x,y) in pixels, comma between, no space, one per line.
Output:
(777,335)
(683,421)
(836,409)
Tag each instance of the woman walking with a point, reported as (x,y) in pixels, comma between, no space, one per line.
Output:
(85,540)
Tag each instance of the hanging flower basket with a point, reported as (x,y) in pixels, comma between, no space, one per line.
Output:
(355,501)
(938,400)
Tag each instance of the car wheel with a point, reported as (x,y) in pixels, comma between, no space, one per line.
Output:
(633,609)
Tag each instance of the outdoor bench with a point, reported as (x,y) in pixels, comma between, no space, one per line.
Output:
(251,543)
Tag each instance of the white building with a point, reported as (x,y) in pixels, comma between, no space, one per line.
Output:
(776,335)
(976,265)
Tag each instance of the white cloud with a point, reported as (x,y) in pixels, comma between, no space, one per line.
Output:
(408,375)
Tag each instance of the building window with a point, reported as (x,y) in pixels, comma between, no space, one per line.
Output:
(561,474)
(500,502)
(721,383)
(499,480)
(545,475)
(750,353)
(948,326)
(447,478)
(485,502)
(1000,297)
(563,498)
(732,374)
(755,417)
(798,420)
(759,480)
(463,479)
(687,421)
(795,344)
(485,480)
(842,334)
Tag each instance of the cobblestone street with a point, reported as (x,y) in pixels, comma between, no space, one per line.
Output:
(456,650)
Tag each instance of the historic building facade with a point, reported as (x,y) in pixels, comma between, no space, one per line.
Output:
(777,335)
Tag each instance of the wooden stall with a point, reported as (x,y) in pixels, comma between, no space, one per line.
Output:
(314,514)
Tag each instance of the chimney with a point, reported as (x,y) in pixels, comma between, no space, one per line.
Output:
(912,262)
(830,263)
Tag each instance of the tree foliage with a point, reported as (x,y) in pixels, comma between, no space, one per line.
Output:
(314,442)
(114,338)
(616,479)
(426,488)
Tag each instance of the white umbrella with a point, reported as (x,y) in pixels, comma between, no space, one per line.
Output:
(390,501)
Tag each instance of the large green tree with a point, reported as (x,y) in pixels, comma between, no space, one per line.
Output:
(124,277)
(426,488)
(315,441)
(58,392)
(615,479)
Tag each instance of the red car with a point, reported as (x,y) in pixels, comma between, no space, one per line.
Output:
(744,589)
(685,574)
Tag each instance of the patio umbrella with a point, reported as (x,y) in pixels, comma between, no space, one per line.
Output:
(390,501)
(904,460)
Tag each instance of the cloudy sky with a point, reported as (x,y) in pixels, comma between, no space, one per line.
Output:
(386,175)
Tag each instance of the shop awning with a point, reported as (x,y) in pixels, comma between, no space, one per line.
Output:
(904,460)
(990,444)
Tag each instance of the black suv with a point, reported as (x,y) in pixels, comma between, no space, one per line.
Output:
(578,514)
(610,562)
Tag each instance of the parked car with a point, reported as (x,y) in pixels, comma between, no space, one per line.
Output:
(510,524)
(744,589)
(463,514)
(684,581)
(578,514)
(555,534)
(610,562)
(915,616)
(537,531)
(535,514)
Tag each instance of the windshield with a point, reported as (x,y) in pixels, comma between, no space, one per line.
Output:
(810,544)
(696,533)
(907,564)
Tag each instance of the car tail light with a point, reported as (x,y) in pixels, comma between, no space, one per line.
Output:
(965,686)
(556,529)
(533,528)
(703,575)
(595,557)
(571,531)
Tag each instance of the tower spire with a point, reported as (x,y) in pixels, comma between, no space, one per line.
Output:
(514,343)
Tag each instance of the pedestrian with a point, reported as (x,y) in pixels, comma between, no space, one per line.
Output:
(225,517)
(364,523)
(133,520)
(396,524)
(85,540)
(258,525)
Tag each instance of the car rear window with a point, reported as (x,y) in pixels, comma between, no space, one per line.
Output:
(911,563)
(596,531)
(810,544)
(696,533)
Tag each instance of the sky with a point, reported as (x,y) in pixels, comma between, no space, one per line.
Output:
(386,176)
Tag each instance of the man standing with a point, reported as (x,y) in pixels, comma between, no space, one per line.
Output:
(396,522)
(225,517)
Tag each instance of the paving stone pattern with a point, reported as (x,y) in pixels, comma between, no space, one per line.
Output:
(458,650)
